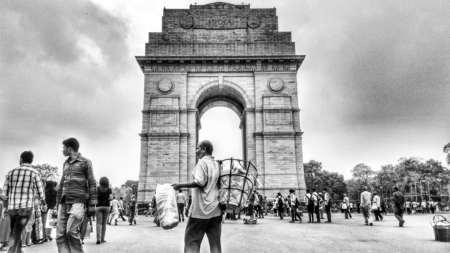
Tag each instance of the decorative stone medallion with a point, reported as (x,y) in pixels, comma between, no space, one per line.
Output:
(165,86)
(275,85)
(253,22)
(186,22)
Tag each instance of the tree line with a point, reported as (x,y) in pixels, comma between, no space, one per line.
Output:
(417,178)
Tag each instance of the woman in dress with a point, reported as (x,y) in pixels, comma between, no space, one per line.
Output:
(102,210)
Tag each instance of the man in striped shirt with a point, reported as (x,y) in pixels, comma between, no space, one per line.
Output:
(20,186)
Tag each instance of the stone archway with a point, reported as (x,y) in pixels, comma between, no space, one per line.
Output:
(213,55)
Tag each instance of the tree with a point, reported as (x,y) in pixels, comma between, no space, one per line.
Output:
(46,171)
(133,184)
(363,173)
(317,178)
(447,150)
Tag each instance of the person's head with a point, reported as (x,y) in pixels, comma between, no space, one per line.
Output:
(291,191)
(121,198)
(279,194)
(308,191)
(50,184)
(374,193)
(204,148)
(365,188)
(265,197)
(180,191)
(324,189)
(70,146)
(26,157)
(104,182)
(114,197)
(313,189)
(345,195)
(395,188)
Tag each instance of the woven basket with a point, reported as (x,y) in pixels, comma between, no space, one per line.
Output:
(441,228)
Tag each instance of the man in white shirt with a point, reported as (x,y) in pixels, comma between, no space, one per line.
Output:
(366,205)
(347,202)
(317,201)
(377,212)
(327,200)
(205,213)
(408,206)
(294,206)
(181,201)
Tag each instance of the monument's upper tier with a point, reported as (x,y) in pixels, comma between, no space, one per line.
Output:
(220,29)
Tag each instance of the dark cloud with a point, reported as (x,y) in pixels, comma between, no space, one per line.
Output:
(59,63)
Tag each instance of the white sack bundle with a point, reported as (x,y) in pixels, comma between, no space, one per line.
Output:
(166,204)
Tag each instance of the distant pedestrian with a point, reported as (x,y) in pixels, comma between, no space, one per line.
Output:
(205,216)
(114,213)
(262,203)
(366,204)
(294,205)
(77,190)
(432,206)
(376,207)
(309,205)
(20,184)
(133,210)
(280,205)
(347,205)
(121,209)
(408,206)
(189,203)
(327,201)
(181,201)
(103,208)
(317,201)
(50,198)
(399,201)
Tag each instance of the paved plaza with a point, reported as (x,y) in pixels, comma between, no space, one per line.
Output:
(274,235)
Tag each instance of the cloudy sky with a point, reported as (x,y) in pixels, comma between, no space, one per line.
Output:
(374,87)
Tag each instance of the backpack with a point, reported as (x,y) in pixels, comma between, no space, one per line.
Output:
(280,201)
(310,200)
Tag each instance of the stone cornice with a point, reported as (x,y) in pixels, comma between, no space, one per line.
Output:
(171,134)
(277,134)
(270,63)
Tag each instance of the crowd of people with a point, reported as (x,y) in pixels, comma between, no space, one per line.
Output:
(71,206)
(28,203)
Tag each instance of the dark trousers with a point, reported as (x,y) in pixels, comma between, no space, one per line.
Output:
(398,212)
(347,213)
(121,214)
(311,213)
(19,219)
(280,212)
(316,210)
(187,211)
(295,214)
(432,210)
(378,215)
(328,211)
(196,230)
(180,211)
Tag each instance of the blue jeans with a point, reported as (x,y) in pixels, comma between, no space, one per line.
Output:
(70,217)
(102,214)
(19,219)
(196,230)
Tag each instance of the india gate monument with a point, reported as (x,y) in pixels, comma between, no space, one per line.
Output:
(220,55)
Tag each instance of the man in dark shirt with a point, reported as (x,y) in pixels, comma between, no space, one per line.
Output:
(77,189)
(399,202)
